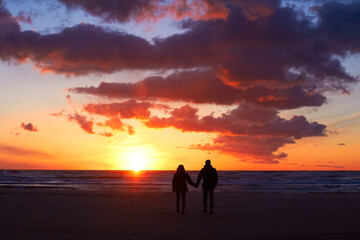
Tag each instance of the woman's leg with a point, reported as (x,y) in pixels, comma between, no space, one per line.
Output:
(177,201)
(183,195)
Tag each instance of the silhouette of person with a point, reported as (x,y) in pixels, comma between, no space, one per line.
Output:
(210,179)
(179,186)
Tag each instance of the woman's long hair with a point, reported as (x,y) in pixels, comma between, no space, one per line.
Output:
(180,169)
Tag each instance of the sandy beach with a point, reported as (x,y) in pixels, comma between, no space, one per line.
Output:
(51,214)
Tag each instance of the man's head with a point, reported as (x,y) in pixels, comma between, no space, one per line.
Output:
(208,162)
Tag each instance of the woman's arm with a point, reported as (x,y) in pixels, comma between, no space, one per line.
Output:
(188,179)
(199,177)
(173,183)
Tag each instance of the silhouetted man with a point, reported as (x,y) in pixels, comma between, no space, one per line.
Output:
(210,179)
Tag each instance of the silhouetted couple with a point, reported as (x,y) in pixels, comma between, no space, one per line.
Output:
(210,178)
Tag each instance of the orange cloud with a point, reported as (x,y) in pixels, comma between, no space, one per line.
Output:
(86,125)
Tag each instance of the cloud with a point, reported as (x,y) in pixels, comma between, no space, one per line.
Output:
(69,100)
(246,132)
(261,128)
(25,17)
(58,114)
(127,109)
(153,10)
(29,127)
(121,11)
(86,125)
(329,166)
(281,49)
(78,50)
(16,165)
(255,122)
(341,144)
(260,148)
(106,134)
(337,22)
(11,150)
(114,123)
(258,55)
(204,87)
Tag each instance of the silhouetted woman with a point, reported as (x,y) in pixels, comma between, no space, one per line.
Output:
(179,186)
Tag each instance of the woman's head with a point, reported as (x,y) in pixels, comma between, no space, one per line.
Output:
(180,168)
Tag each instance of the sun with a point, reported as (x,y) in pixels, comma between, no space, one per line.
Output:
(137,161)
(138,158)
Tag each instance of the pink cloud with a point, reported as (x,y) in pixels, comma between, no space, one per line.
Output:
(69,100)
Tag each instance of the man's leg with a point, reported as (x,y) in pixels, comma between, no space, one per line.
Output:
(211,196)
(177,201)
(205,194)
(183,195)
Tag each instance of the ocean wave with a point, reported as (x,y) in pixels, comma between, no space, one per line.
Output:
(239,181)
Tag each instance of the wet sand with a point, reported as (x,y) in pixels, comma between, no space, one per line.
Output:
(50,214)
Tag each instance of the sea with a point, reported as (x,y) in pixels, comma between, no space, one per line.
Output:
(160,181)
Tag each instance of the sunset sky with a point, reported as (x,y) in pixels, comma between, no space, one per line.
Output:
(151,84)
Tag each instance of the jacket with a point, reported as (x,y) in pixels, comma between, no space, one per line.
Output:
(179,182)
(209,176)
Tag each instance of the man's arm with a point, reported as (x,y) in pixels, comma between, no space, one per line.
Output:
(216,177)
(201,173)
(188,179)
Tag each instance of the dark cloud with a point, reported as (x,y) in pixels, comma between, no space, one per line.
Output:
(204,87)
(339,24)
(11,150)
(147,10)
(74,51)
(117,10)
(256,54)
(85,124)
(277,50)
(192,86)
(29,127)
(341,144)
